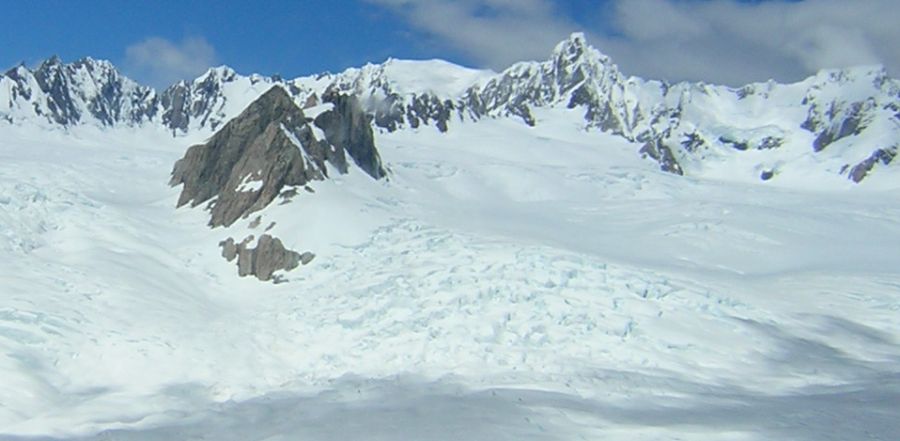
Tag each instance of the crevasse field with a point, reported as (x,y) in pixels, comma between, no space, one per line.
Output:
(505,283)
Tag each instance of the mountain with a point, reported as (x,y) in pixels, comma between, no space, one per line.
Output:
(248,163)
(842,122)
(87,91)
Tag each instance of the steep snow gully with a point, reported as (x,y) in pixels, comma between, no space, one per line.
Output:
(519,269)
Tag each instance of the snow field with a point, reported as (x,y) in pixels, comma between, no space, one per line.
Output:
(500,285)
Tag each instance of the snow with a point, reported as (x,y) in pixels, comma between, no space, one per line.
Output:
(313,112)
(439,77)
(248,184)
(506,282)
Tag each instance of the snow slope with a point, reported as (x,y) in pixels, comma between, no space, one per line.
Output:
(506,282)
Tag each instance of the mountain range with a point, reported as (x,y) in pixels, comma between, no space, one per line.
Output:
(841,122)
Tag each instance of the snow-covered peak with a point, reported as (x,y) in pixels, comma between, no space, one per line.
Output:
(217,74)
(852,83)
(576,50)
(575,75)
(87,91)
(211,99)
(437,77)
(53,62)
(434,77)
(16,72)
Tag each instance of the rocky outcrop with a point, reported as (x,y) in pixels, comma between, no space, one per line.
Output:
(348,128)
(419,109)
(861,170)
(837,121)
(263,261)
(662,154)
(256,155)
(268,151)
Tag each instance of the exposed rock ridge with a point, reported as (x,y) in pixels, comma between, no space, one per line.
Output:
(348,128)
(267,151)
(884,156)
(268,148)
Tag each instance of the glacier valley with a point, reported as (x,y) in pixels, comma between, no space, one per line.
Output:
(552,259)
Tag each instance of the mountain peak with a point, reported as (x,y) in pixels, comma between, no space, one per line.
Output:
(275,100)
(250,147)
(17,72)
(93,62)
(272,144)
(575,49)
(54,59)
(222,73)
(53,62)
(574,39)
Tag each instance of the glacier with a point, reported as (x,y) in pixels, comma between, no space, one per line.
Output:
(506,281)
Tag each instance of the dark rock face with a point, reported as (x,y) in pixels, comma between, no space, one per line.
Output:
(185,102)
(53,81)
(415,111)
(692,142)
(737,145)
(348,128)
(839,121)
(662,154)
(247,163)
(268,257)
(176,100)
(770,142)
(67,94)
(861,170)
(767,143)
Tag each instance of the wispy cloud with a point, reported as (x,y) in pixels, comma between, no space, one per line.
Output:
(724,41)
(161,62)
(494,33)
(733,42)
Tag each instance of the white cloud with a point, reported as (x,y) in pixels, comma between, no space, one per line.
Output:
(494,33)
(160,62)
(732,42)
(723,41)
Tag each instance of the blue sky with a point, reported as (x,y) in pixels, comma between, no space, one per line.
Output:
(288,37)
(727,41)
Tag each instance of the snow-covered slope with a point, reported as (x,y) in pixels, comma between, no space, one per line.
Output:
(500,285)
